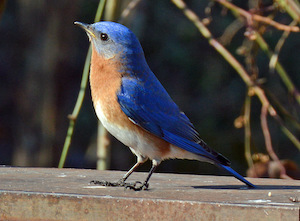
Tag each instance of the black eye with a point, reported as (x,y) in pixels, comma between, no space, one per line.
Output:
(103,36)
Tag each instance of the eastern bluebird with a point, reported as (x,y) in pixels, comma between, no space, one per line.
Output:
(134,107)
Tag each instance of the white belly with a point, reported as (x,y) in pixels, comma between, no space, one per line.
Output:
(135,141)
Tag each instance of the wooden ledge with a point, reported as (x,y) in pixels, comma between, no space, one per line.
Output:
(65,194)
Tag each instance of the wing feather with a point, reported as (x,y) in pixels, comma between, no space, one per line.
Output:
(149,106)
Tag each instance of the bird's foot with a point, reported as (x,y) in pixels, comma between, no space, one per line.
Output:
(137,186)
(121,182)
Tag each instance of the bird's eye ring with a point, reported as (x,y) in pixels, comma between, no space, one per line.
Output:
(103,36)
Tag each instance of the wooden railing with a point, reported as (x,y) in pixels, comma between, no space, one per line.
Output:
(65,194)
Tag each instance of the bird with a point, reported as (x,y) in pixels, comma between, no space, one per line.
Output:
(135,108)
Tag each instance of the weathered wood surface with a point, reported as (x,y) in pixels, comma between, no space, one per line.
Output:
(65,194)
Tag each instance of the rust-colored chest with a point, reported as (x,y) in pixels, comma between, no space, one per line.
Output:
(105,80)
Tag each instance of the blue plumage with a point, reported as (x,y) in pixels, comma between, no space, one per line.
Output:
(144,101)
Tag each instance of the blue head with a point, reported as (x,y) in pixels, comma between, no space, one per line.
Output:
(112,40)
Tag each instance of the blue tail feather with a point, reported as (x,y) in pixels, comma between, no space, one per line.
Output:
(237,175)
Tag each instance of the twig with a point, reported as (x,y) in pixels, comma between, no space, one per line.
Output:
(248,130)
(214,43)
(231,31)
(268,142)
(281,71)
(291,7)
(281,41)
(261,95)
(250,17)
(128,9)
(263,45)
(73,117)
(291,136)
(225,54)
(275,24)
(103,150)
(84,80)
(287,132)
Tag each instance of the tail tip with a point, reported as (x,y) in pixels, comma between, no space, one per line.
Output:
(251,186)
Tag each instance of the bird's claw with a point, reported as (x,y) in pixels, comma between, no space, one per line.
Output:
(137,186)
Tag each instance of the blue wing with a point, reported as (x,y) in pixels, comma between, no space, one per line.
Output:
(148,105)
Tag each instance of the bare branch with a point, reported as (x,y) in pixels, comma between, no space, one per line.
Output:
(268,142)
(250,17)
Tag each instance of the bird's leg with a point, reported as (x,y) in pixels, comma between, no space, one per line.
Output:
(137,186)
(124,178)
(121,182)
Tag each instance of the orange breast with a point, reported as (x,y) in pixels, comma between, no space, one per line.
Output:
(105,81)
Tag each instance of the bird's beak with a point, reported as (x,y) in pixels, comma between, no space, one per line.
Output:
(87,29)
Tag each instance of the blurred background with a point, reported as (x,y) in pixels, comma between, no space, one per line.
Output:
(42,56)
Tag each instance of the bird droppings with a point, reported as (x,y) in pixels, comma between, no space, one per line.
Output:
(294,199)
(62,175)
(83,176)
